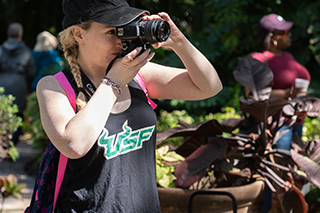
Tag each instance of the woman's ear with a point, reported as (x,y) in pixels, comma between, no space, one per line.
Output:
(77,34)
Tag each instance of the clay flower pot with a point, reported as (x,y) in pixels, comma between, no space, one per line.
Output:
(175,200)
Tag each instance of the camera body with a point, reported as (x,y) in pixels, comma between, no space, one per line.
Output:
(139,33)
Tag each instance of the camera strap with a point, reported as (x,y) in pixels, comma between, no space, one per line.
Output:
(112,62)
(88,87)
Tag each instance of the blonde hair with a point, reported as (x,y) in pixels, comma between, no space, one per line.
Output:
(70,48)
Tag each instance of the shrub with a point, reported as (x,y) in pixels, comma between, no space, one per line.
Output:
(9,122)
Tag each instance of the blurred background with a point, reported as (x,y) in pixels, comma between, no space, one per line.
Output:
(222,29)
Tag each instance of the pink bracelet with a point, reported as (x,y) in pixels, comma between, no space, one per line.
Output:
(111,83)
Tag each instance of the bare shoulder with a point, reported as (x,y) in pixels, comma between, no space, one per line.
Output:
(48,85)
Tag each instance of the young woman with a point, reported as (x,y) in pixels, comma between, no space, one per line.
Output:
(110,141)
(275,37)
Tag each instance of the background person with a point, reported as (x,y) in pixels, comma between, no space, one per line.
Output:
(17,69)
(47,58)
(275,36)
(110,141)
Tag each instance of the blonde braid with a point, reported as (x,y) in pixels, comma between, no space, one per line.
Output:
(71,56)
(71,49)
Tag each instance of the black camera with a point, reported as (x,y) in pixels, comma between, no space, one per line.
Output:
(138,33)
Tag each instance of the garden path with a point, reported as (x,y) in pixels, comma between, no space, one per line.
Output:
(27,153)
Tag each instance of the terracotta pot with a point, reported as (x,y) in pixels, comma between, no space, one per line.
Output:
(175,200)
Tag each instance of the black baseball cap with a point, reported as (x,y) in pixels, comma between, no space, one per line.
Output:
(109,12)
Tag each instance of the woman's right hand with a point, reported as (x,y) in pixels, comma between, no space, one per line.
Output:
(127,67)
(297,92)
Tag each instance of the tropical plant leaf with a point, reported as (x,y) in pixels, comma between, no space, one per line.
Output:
(310,163)
(294,201)
(262,109)
(195,165)
(172,157)
(167,181)
(206,128)
(255,75)
(308,105)
(233,122)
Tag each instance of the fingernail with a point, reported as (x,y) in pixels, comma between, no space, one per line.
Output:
(152,54)
(139,49)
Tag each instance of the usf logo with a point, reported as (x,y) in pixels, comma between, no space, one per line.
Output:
(125,141)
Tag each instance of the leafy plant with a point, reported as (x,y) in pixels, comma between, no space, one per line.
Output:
(9,122)
(165,165)
(168,120)
(13,152)
(235,158)
(311,129)
(9,186)
(206,149)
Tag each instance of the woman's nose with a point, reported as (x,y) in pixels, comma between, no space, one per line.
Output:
(119,43)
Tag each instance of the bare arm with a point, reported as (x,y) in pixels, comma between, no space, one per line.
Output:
(198,81)
(72,134)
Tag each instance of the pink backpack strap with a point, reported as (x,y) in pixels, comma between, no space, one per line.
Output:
(140,81)
(63,160)
(63,81)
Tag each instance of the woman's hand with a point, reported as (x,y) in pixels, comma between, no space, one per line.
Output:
(297,92)
(126,68)
(176,34)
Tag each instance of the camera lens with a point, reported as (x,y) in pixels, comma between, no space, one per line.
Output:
(164,31)
(156,31)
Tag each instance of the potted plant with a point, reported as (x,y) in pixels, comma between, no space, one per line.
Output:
(241,152)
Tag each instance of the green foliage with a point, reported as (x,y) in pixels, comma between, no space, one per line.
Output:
(12,187)
(165,177)
(314,29)
(226,113)
(313,199)
(9,122)
(229,96)
(221,30)
(168,120)
(13,152)
(46,13)
(311,129)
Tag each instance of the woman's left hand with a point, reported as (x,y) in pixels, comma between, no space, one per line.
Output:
(176,34)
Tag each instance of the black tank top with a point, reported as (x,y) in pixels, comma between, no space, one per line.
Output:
(118,174)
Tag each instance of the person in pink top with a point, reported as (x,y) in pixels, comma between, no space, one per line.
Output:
(274,37)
